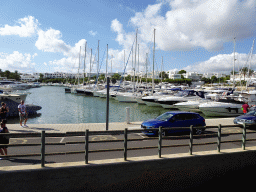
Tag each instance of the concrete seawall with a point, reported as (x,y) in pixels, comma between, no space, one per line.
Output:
(170,173)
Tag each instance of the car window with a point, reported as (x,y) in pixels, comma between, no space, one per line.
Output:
(179,117)
(164,117)
(189,116)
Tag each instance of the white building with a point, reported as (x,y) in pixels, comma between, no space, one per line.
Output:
(173,74)
(194,76)
(29,77)
(218,75)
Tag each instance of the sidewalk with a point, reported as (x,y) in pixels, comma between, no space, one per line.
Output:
(61,128)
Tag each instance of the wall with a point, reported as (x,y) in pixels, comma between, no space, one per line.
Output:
(170,173)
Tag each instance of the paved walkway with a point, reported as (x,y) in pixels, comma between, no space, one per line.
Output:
(60,128)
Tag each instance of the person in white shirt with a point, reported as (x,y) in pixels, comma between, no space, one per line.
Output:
(23,113)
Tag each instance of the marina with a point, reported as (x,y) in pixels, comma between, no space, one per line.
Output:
(54,105)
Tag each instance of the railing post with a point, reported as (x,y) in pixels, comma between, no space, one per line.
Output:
(125,144)
(191,140)
(160,142)
(219,138)
(86,145)
(43,149)
(128,115)
(244,137)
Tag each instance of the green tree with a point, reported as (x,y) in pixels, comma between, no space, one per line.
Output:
(164,75)
(182,71)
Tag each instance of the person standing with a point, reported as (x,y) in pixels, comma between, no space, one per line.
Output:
(245,107)
(3,139)
(3,111)
(23,113)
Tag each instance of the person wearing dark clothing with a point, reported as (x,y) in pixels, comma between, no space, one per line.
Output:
(3,139)
(3,111)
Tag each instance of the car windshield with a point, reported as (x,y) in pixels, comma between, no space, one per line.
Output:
(251,113)
(164,117)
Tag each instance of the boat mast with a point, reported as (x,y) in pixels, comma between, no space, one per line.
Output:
(124,65)
(234,63)
(153,83)
(90,67)
(79,67)
(134,73)
(84,60)
(107,64)
(98,61)
(138,63)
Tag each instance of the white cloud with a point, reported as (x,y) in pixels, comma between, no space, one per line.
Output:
(93,33)
(28,27)
(223,63)
(50,41)
(191,24)
(17,61)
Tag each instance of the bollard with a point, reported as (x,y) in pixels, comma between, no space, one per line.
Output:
(128,115)
(86,145)
(43,149)
(219,138)
(160,142)
(191,140)
(125,144)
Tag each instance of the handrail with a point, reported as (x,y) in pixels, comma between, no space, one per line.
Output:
(88,133)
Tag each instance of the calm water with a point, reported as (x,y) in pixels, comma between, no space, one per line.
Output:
(59,107)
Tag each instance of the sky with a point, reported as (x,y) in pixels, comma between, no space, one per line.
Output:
(204,36)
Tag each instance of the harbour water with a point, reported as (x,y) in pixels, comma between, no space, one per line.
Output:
(59,107)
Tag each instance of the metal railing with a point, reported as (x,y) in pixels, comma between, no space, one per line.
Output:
(125,139)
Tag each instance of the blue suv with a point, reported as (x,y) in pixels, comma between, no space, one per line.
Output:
(177,119)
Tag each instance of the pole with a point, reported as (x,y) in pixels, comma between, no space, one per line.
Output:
(219,138)
(125,144)
(128,115)
(43,149)
(86,145)
(244,137)
(160,142)
(107,113)
(191,140)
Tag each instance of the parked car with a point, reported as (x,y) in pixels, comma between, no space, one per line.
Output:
(248,118)
(177,119)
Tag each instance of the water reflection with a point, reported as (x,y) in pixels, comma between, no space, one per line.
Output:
(59,107)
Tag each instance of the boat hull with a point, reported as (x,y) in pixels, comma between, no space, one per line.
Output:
(216,110)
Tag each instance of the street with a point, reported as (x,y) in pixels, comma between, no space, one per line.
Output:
(69,150)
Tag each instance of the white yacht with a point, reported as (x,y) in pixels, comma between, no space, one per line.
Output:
(127,97)
(182,96)
(222,107)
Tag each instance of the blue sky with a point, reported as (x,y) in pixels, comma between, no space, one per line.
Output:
(198,36)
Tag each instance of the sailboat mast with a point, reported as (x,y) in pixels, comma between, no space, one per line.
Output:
(79,67)
(107,63)
(84,61)
(138,72)
(153,75)
(162,70)
(90,67)
(234,62)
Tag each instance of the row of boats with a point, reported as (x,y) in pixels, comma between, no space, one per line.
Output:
(215,102)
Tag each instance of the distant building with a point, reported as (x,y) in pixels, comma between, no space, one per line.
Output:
(194,76)
(173,74)
(29,77)
(218,75)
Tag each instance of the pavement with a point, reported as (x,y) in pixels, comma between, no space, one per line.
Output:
(62,128)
